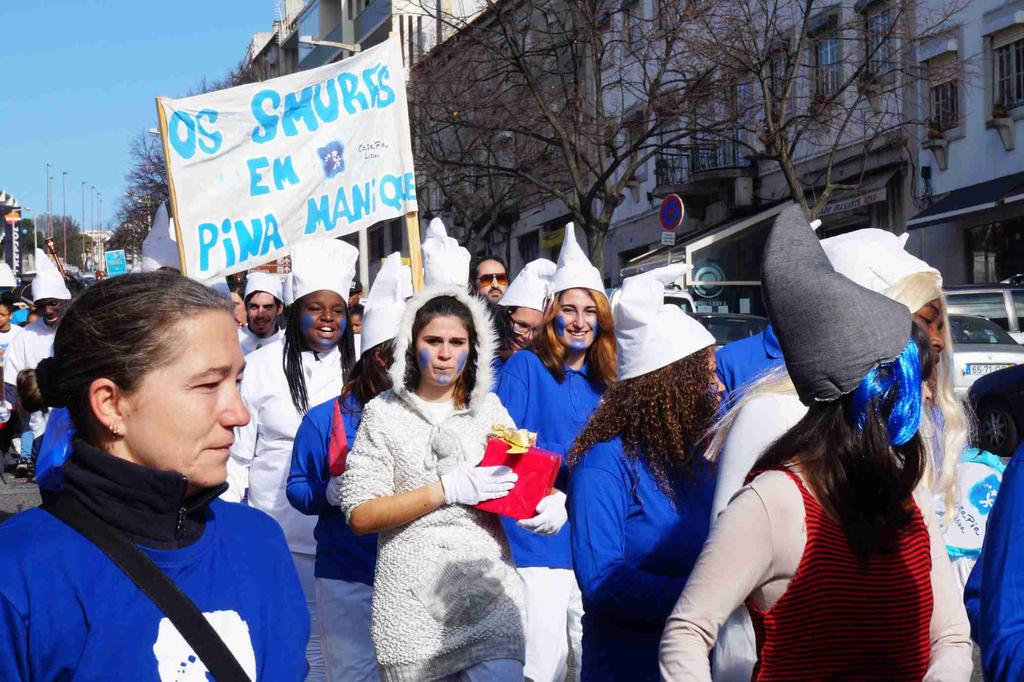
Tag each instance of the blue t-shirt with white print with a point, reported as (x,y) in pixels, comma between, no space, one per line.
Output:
(67,612)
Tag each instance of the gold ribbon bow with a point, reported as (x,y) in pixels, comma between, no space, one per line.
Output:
(519,441)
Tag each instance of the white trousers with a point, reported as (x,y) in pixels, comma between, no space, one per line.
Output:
(344,613)
(500,670)
(305,564)
(554,612)
(735,648)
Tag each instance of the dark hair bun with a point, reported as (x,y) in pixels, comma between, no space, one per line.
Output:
(47,380)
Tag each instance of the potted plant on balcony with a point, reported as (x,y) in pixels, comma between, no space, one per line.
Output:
(868,85)
(1002,123)
(935,141)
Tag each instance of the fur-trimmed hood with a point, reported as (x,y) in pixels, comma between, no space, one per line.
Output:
(485,342)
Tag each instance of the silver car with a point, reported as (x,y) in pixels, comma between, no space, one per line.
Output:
(980,347)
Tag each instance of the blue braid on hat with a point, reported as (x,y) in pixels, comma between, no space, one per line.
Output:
(896,384)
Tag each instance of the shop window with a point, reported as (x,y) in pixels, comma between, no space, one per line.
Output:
(996,250)
(377,247)
(1008,69)
(945,105)
(878,38)
(529,247)
(396,235)
(826,65)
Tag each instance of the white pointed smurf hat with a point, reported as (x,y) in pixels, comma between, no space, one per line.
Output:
(48,282)
(385,304)
(444,261)
(160,248)
(531,287)
(574,270)
(323,264)
(875,259)
(649,333)
(265,282)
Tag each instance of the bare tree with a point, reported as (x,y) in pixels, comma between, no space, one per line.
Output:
(570,99)
(554,100)
(814,86)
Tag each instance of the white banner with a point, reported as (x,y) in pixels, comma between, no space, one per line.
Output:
(257,168)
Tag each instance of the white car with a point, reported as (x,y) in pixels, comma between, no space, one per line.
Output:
(979,348)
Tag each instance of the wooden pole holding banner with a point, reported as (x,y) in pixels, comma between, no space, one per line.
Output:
(364,260)
(162,118)
(412,229)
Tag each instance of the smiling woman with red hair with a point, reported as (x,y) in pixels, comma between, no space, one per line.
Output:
(552,389)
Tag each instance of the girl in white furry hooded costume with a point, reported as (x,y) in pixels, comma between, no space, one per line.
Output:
(447,602)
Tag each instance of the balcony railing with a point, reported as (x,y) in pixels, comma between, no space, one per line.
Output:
(680,165)
(372,16)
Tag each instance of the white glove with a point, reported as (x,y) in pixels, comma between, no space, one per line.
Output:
(472,485)
(551,515)
(334,491)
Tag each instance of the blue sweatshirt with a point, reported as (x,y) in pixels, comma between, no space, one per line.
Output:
(743,361)
(557,412)
(633,549)
(340,553)
(67,612)
(994,594)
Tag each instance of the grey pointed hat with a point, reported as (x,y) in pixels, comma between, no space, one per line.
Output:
(832,331)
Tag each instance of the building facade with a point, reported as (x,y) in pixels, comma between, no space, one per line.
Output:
(972,153)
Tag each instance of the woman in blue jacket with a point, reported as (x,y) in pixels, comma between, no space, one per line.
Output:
(147,365)
(552,389)
(640,494)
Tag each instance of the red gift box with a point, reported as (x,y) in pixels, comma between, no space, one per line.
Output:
(537,470)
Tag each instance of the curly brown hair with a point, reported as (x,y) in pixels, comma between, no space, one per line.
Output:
(660,416)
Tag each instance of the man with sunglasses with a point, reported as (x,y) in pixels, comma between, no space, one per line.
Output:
(490,277)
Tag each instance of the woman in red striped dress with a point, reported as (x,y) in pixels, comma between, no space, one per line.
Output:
(842,568)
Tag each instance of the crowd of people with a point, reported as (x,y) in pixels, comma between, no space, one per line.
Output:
(282,480)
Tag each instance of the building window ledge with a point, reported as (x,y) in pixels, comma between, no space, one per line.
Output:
(1004,125)
(939,147)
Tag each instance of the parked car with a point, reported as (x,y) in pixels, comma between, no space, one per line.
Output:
(1001,303)
(998,403)
(980,347)
(729,327)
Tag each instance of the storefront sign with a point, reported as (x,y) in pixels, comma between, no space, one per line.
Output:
(116,263)
(257,168)
(853,203)
(552,239)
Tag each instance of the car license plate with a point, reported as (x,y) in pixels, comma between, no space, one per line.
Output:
(979,369)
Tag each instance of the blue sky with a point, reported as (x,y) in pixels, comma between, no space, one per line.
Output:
(79,79)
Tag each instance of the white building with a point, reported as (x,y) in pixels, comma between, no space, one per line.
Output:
(972,161)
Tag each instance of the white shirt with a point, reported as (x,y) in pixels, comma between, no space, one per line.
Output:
(250,342)
(27,349)
(262,454)
(6,338)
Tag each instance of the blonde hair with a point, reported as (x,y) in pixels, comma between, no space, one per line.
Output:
(943,442)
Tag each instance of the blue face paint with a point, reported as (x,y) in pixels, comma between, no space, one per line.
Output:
(460,364)
(573,342)
(424,359)
(307,324)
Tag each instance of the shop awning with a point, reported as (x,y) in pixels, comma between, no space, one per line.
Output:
(682,252)
(971,199)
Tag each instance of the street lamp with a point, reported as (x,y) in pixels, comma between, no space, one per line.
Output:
(64,219)
(49,178)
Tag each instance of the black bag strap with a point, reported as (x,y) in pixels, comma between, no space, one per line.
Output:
(178,608)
